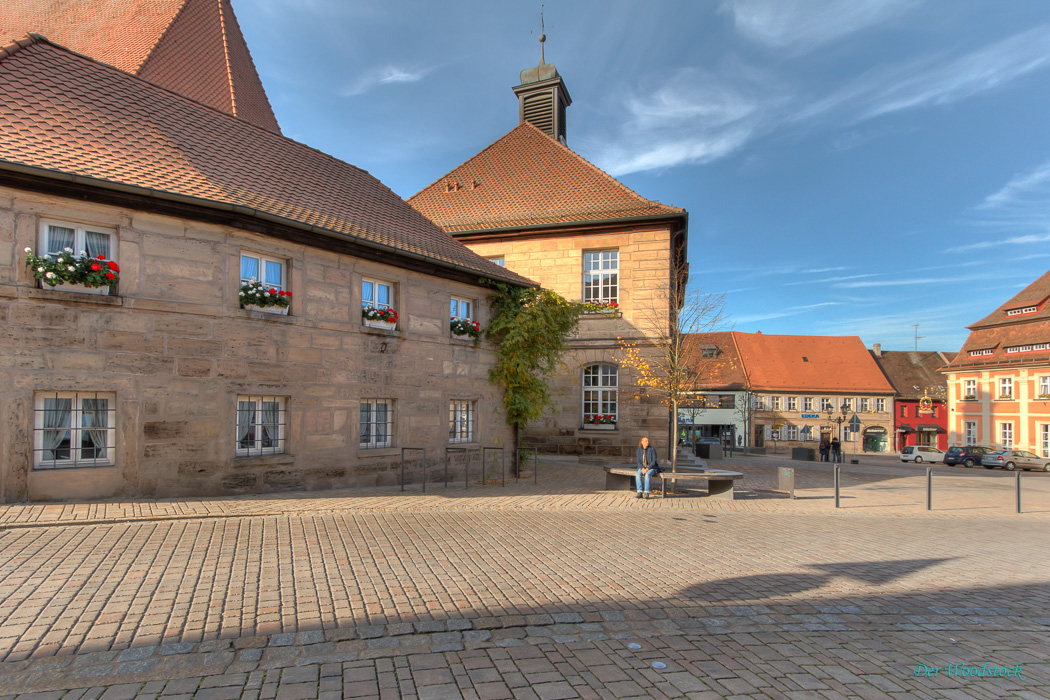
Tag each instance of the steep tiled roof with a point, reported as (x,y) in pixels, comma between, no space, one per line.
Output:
(912,372)
(68,114)
(724,371)
(526,178)
(194,47)
(809,363)
(993,338)
(1034,295)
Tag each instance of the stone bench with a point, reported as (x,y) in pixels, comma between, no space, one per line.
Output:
(720,482)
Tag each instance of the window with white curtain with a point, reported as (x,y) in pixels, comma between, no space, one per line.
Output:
(267,270)
(261,425)
(74,429)
(377,423)
(93,241)
(462,309)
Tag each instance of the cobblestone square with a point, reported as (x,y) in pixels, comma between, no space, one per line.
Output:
(554,590)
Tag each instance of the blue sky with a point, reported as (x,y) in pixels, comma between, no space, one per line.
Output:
(849,167)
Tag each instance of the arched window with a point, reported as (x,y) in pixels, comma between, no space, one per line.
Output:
(599,394)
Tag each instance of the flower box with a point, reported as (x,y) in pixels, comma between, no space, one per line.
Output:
(599,426)
(465,329)
(83,274)
(379,318)
(79,288)
(387,325)
(970,397)
(279,310)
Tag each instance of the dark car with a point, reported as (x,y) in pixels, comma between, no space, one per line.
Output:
(967,455)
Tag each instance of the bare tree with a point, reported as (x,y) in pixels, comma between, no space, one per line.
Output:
(670,361)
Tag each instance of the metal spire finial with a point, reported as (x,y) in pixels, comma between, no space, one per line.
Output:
(543,37)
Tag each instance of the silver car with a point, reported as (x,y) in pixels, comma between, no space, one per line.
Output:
(921,453)
(1012,459)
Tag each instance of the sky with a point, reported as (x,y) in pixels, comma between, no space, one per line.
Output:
(849,167)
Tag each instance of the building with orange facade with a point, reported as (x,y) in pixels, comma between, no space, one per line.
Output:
(999,384)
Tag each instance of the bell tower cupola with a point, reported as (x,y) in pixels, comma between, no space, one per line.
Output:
(542,97)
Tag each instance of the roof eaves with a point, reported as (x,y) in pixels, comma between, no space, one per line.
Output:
(248,211)
(575,224)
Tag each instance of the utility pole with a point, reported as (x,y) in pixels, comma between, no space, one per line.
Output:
(917,336)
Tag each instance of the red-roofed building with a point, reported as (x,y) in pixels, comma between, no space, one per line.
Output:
(999,383)
(179,380)
(192,47)
(808,387)
(920,414)
(530,203)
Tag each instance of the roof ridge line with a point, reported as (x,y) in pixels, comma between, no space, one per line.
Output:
(160,36)
(25,41)
(226,57)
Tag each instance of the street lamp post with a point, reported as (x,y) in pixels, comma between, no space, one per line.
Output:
(839,420)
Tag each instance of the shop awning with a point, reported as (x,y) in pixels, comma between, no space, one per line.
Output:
(931,429)
(905,429)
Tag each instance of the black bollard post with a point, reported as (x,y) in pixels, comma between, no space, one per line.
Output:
(929,488)
(836,486)
(1017,482)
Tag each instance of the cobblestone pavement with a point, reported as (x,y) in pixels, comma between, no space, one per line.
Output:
(552,591)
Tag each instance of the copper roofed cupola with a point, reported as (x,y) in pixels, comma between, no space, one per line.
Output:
(542,97)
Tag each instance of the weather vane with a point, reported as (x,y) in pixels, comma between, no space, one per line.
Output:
(543,37)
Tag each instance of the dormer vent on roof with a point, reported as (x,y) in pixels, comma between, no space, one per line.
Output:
(542,98)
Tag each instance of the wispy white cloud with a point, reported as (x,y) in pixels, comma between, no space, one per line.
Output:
(1013,240)
(785,312)
(907,282)
(823,269)
(841,278)
(976,72)
(696,116)
(801,26)
(383,75)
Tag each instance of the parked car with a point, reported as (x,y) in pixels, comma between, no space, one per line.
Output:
(966,455)
(1012,459)
(921,453)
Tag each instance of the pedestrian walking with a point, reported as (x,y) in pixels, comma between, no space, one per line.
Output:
(648,466)
(836,450)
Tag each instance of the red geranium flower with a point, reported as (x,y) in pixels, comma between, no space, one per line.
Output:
(288,294)
(101,257)
(96,267)
(110,275)
(280,293)
(273,292)
(113,266)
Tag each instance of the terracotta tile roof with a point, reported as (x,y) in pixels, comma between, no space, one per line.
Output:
(526,178)
(909,369)
(1035,294)
(725,371)
(66,113)
(194,47)
(807,363)
(998,339)
(1000,331)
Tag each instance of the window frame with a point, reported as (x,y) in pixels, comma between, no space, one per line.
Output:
(373,442)
(967,385)
(374,304)
(80,231)
(257,424)
(826,403)
(1006,434)
(807,403)
(262,259)
(75,430)
(1042,385)
(458,302)
(970,432)
(865,405)
(880,405)
(601,391)
(456,422)
(1006,387)
(1044,439)
(500,260)
(600,273)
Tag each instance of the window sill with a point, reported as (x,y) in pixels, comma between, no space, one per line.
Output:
(77,467)
(262,460)
(79,297)
(465,445)
(464,341)
(389,332)
(264,315)
(378,451)
(600,315)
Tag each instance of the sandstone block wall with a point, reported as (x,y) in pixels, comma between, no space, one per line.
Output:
(177,350)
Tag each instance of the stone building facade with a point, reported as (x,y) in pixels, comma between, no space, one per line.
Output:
(168,385)
(530,203)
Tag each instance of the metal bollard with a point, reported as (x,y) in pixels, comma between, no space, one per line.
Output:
(929,488)
(1017,482)
(836,486)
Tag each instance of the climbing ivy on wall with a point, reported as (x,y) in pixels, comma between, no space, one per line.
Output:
(530,329)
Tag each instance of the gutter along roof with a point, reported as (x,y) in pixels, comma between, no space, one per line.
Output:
(69,118)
